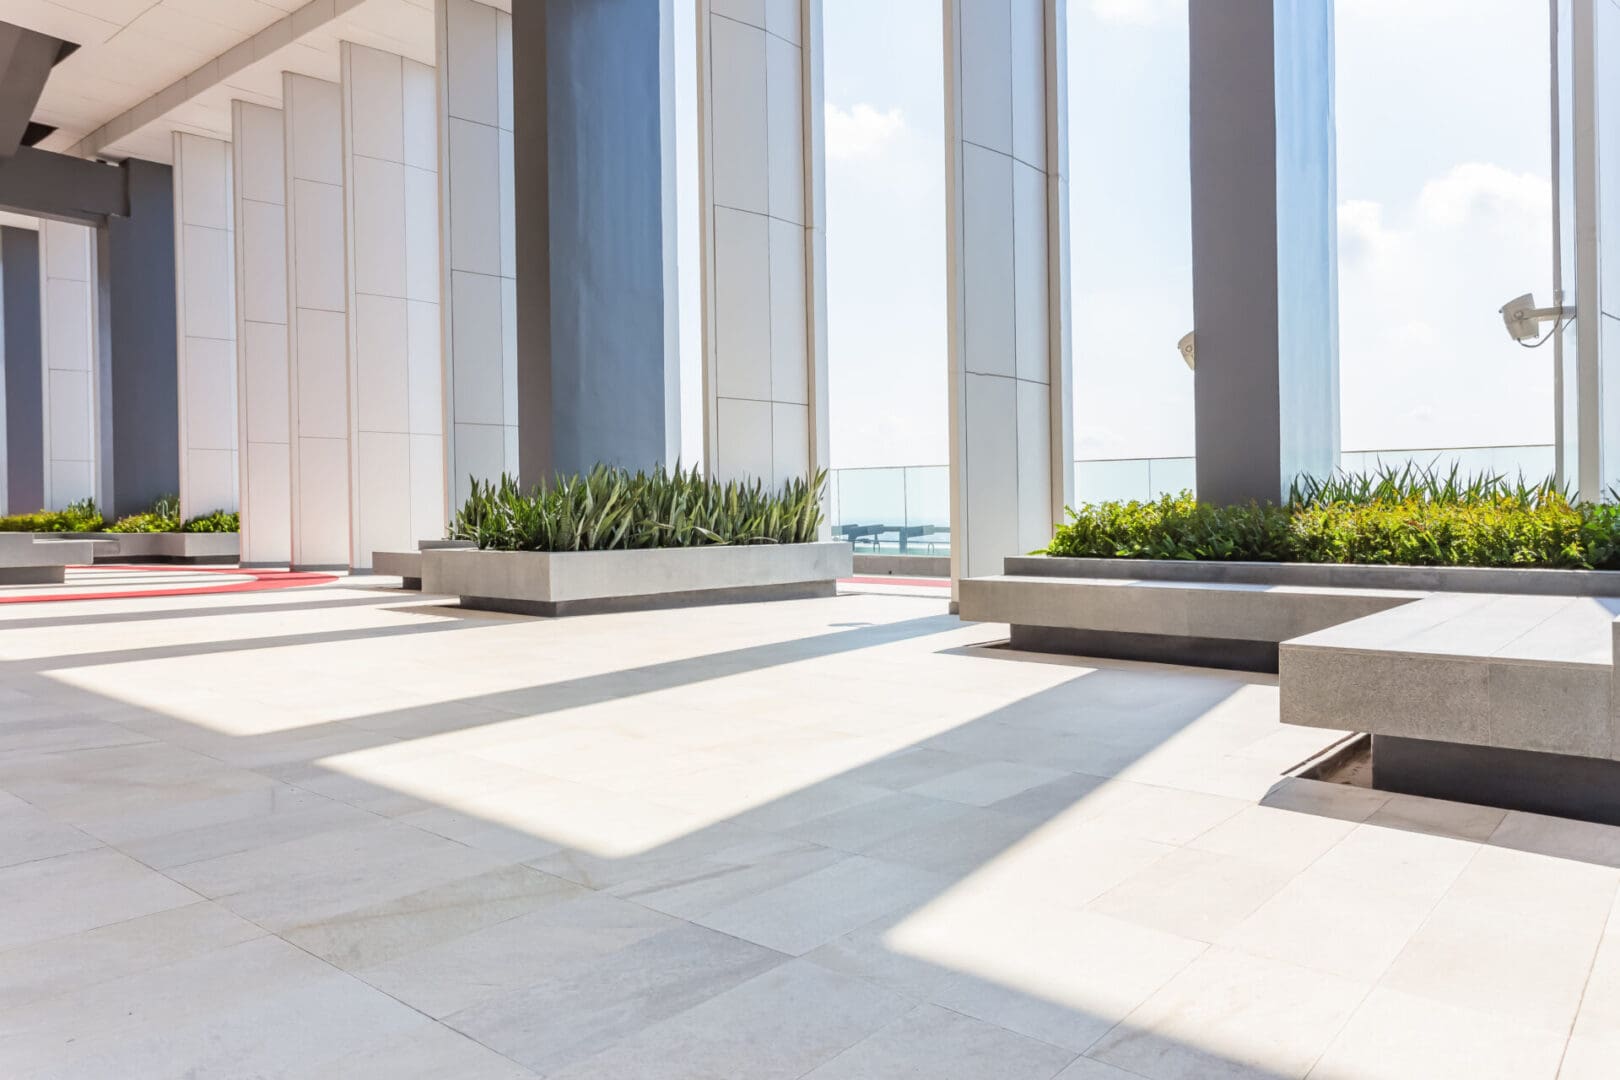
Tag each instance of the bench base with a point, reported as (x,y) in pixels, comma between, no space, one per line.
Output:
(1229,654)
(1587,789)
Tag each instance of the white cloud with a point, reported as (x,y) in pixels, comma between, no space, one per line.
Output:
(1476,193)
(1140,12)
(861,132)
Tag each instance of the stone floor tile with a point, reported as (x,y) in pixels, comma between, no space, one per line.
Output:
(27,834)
(1559,838)
(1461,821)
(702,884)
(1194,894)
(958,846)
(369,936)
(1091,1069)
(943,1045)
(987,782)
(61,965)
(775,1026)
(69,894)
(1395,1036)
(557,941)
(1233,1015)
(861,828)
(812,910)
(427,1052)
(564,1020)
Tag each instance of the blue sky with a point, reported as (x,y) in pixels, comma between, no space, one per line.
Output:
(1445,213)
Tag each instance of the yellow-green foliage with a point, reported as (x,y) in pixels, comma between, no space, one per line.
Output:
(614,508)
(79,517)
(1409,518)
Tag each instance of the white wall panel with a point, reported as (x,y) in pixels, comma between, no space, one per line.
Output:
(68,346)
(763,241)
(1011,473)
(479,262)
(205,301)
(263,413)
(317,323)
(395,339)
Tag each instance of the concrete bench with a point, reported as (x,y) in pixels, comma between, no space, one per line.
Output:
(407,565)
(1208,624)
(26,561)
(1507,700)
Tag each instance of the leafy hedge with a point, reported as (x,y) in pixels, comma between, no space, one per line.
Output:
(162,517)
(1386,519)
(614,508)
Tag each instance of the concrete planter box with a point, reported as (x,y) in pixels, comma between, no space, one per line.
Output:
(583,582)
(190,549)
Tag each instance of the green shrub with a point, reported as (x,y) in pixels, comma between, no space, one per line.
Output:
(220,521)
(147,522)
(1409,517)
(614,508)
(78,517)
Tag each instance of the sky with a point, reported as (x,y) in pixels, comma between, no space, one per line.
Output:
(1444,214)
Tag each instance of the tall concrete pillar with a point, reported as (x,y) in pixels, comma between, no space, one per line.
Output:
(262,408)
(396,378)
(1012,468)
(317,323)
(596,290)
(140,381)
(1586,152)
(764,244)
(69,363)
(479,258)
(205,295)
(24,400)
(1265,246)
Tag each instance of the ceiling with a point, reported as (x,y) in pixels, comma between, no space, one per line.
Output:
(145,68)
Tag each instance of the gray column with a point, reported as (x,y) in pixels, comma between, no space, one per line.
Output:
(141,410)
(764,240)
(595,256)
(24,435)
(1006,151)
(1586,149)
(70,362)
(1265,258)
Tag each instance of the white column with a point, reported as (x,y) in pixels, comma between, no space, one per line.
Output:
(1011,431)
(68,350)
(764,307)
(391,184)
(479,269)
(205,299)
(1588,194)
(317,323)
(262,413)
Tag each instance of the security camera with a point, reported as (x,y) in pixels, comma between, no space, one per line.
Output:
(1187,350)
(1523,319)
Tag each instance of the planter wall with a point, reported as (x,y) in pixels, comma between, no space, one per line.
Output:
(583,582)
(26,561)
(191,549)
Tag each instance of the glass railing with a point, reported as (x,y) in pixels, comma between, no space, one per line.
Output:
(906,509)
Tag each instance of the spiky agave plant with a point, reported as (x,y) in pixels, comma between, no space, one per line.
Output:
(610,508)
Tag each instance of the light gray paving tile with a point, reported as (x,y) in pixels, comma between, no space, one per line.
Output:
(943,1045)
(1437,817)
(812,910)
(205,1016)
(27,834)
(987,782)
(772,1027)
(73,893)
(1053,798)
(427,1052)
(61,965)
(1394,1036)
(227,824)
(1232,1015)
(908,768)
(1532,976)
(863,827)
(1090,1069)
(958,846)
(318,877)
(564,1020)
(369,936)
(665,862)
(558,941)
(703,884)
(1194,894)
(1559,838)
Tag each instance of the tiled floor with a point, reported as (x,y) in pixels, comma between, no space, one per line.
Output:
(342,833)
